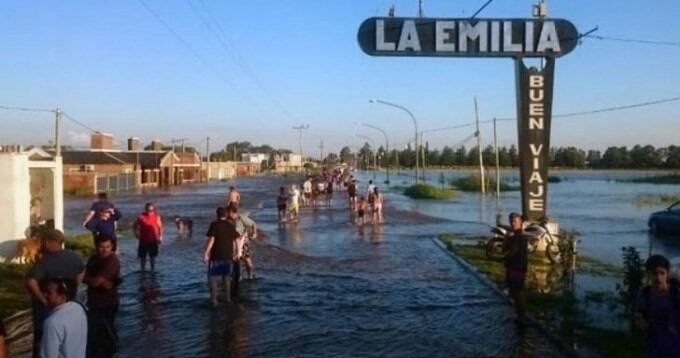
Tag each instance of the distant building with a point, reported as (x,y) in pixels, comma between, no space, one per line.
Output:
(254,157)
(287,162)
(101,142)
(103,168)
(133,144)
(593,156)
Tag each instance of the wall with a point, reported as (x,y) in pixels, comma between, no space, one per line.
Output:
(80,183)
(101,168)
(15,198)
(220,170)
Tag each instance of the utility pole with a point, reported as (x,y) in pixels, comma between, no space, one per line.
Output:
(300,129)
(57,135)
(420,8)
(207,158)
(321,148)
(422,155)
(479,149)
(498,174)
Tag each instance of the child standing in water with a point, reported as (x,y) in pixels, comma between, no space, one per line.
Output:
(361,210)
(294,202)
(281,202)
(657,309)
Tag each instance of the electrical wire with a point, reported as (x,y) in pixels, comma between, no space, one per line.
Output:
(620,39)
(27,109)
(481,9)
(188,46)
(231,50)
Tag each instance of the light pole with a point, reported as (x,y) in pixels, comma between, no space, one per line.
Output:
(375,152)
(300,129)
(387,148)
(415,124)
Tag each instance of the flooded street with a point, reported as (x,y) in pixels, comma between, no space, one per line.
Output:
(325,287)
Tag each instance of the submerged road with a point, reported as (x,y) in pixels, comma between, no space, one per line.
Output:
(325,287)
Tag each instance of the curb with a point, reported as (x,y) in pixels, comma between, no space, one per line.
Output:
(552,336)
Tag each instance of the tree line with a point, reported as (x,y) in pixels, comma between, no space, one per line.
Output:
(638,156)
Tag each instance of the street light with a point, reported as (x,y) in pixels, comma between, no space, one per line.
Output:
(415,124)
(301,128)
(374,152)
(387,147)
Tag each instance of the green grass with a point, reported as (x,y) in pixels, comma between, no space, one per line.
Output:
(473,183)
(13,295)
(559,309)
(426,191)
(659,179)
(656,200)
(82,244)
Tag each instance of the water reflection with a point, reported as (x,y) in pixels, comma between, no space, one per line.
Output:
(150,297)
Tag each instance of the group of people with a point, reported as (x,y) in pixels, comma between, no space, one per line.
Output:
(226,247)
(319,189)
(65,327)
(656,308)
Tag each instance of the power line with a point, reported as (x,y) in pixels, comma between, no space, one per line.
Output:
(640,41)
(27,109)
(186,44)
(230,49)
(481,9)
(67,116)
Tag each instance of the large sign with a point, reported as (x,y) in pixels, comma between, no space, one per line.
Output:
(394,36)
(534,109)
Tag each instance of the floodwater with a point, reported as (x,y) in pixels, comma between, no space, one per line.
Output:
(599,205)
(325,287)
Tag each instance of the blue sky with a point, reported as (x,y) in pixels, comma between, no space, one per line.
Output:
(113,66)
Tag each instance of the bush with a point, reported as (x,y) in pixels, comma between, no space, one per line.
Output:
(426,191)
(82,244)
(473,183)
(660,179)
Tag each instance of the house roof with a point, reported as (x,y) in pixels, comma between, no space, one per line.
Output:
(146,159)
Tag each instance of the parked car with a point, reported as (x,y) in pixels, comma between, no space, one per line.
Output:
(666,221)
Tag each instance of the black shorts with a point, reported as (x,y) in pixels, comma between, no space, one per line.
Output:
(147,249)
(361,213)
(281,207)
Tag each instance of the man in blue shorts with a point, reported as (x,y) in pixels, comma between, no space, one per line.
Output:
(219,254)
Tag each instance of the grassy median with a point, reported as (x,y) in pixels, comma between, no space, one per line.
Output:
(554,304)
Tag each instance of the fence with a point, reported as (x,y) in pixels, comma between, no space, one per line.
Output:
(115,183)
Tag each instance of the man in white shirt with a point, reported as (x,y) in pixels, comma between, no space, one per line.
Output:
(307,191)
(65,330)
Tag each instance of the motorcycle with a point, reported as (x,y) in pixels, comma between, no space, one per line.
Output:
(538,236)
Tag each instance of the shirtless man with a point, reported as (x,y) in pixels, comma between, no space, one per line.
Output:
(361,211)
(233,197)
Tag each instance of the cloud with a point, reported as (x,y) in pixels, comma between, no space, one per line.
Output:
(78,139)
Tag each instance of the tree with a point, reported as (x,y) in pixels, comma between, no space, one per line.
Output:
(461,156)
(346,155)
(447,157)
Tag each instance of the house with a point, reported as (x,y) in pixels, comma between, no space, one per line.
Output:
(287,162)
(254,157)
(102,168)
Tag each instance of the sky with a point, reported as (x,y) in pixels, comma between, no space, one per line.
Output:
(263,67)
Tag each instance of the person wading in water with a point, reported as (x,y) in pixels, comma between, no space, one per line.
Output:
(148,229)
(219,254)
(515,257)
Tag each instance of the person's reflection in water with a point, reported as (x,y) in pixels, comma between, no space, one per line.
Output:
(228,334)
(377,234)
(149,296)
(526,347)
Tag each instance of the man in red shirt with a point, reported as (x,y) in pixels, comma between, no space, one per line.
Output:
(148,229)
